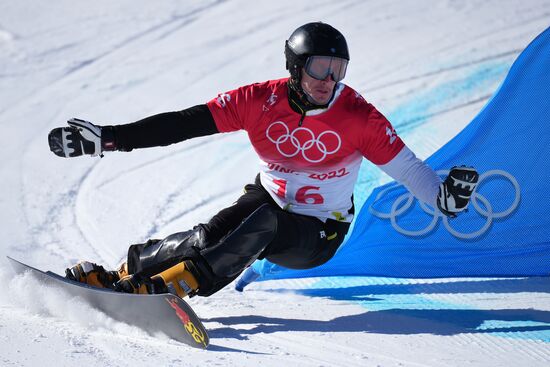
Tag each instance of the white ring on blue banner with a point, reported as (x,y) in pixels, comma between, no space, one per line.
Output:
(397,209)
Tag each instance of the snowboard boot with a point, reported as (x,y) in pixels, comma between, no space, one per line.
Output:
(178,280)
(122,271)
(93,274)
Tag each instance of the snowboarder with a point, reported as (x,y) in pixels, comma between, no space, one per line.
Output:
(310,131)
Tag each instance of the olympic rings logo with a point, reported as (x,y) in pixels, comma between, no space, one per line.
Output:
(313,149)
(485,210)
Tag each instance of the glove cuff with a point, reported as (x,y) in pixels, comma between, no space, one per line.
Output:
(441,200)
(108,139)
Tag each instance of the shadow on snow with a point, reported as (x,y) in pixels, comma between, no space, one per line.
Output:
(401,321)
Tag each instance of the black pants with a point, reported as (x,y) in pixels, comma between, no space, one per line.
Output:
(254,227)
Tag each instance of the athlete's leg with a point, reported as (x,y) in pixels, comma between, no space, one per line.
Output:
(157,255)
(231,217)
(291,240)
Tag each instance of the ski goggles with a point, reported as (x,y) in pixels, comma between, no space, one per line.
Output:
(319,67)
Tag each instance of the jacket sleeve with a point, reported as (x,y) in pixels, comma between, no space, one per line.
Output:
(239,109)
(164,129)
(378,141)
(415,175)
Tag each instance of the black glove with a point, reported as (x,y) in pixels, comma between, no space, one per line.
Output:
(457,189)
(81,137)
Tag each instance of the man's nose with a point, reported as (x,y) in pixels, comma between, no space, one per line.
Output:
(329,78)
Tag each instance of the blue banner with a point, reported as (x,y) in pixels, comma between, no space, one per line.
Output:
(506,231)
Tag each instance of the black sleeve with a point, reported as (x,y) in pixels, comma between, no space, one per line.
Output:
(165,129)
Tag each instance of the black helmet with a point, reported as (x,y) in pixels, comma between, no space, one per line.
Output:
(313,39)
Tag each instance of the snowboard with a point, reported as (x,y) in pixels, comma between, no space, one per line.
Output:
(165,313)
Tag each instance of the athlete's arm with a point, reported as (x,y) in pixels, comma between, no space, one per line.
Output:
(415,175)
(83,137)
(382,146)
(165,129)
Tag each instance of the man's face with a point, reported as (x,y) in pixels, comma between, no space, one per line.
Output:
(319,91)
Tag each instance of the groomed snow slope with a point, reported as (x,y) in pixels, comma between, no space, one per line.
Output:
(118,62)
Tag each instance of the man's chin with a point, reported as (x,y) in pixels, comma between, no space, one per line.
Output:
(319,101)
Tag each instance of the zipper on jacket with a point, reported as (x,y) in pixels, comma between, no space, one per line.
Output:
(302,112)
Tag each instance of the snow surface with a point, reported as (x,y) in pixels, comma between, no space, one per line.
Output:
(428,65)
